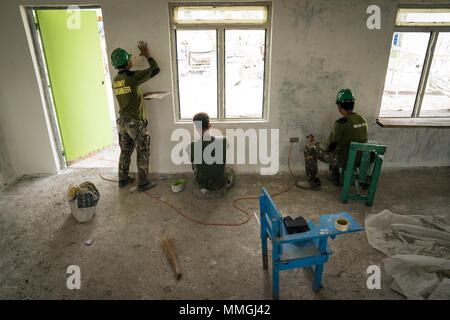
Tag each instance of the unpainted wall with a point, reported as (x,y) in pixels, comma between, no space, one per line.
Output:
(6,171)
(331,48)
(318,47)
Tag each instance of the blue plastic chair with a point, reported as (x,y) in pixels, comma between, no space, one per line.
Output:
(291,251)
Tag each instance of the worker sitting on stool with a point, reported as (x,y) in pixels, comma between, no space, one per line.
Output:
(351,127)
(132,121)
(212,177)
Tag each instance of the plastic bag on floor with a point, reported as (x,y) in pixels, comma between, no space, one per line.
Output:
(83,201)
(416,234)
(419,277)
(442,291)
(419,251)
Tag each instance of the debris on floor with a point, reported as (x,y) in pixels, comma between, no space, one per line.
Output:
(89,242)
(169,249)
(419,277)
(123,221)
(83,201)
(418,247)
(178,185)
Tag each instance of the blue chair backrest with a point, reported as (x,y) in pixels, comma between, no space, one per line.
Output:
(271,214)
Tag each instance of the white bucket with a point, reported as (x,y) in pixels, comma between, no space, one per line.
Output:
(82,214)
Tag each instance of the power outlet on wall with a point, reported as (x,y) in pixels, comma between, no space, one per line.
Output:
(293,139)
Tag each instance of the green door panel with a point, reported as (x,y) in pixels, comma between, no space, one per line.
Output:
(75,68)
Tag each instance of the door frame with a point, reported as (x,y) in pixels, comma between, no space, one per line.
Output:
(35,43)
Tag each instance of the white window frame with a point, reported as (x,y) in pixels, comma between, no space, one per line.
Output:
(415,120)
(220,32)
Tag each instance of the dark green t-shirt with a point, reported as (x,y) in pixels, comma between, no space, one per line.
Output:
(209,172)
(126,88)
(351,127)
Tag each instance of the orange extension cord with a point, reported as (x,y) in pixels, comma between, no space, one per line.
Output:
(234,202)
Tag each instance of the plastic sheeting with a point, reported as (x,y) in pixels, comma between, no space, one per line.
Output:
(418,247)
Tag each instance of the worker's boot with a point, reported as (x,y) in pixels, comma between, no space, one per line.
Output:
(123,183)
(310,184)
(334,177)
(149,185)
(364,185)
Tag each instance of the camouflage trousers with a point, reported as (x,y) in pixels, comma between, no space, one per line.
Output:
(313,153)
(204,194)
(133,133)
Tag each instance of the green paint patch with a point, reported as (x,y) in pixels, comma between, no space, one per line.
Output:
(75,67)
(178,182)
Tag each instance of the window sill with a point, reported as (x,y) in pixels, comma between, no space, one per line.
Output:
(414,122)
(231,121)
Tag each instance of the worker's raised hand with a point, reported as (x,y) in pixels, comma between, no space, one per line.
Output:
(143,47)
(311,139)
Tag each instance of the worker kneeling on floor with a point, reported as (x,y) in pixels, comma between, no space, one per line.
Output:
(351,127)
(132,122)
(212,177)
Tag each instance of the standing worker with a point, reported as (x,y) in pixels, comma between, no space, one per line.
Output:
(351,127)
(132,121)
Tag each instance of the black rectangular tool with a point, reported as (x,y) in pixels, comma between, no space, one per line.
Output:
(297,225)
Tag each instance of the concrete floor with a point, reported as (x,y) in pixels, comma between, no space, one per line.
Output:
(39,239)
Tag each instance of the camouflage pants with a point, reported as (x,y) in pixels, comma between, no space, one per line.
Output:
(133,133)
(204,194)
(312,154)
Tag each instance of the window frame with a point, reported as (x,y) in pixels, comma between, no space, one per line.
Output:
(433,30)
(220,36)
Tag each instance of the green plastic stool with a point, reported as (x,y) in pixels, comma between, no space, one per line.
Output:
(367,173)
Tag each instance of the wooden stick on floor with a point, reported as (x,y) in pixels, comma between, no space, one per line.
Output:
(169,249)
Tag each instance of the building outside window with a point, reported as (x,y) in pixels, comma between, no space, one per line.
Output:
(220,58)
(417,83)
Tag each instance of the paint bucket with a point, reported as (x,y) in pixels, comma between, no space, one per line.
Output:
(178,185)
(83,201)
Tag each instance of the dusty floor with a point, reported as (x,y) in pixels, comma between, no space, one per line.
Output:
(39,239)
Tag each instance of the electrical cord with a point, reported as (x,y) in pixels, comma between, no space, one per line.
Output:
(168,204)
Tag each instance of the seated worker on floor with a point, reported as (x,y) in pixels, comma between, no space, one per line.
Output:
(351,127)
(208,157)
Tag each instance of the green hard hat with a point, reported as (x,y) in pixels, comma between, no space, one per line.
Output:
(119,57)
(345,95)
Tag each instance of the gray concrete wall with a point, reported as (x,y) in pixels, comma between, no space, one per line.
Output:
(329,48)
(318,47)
(26,139)
(7,174)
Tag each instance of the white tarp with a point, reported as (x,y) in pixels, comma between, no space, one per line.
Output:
(418,247)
